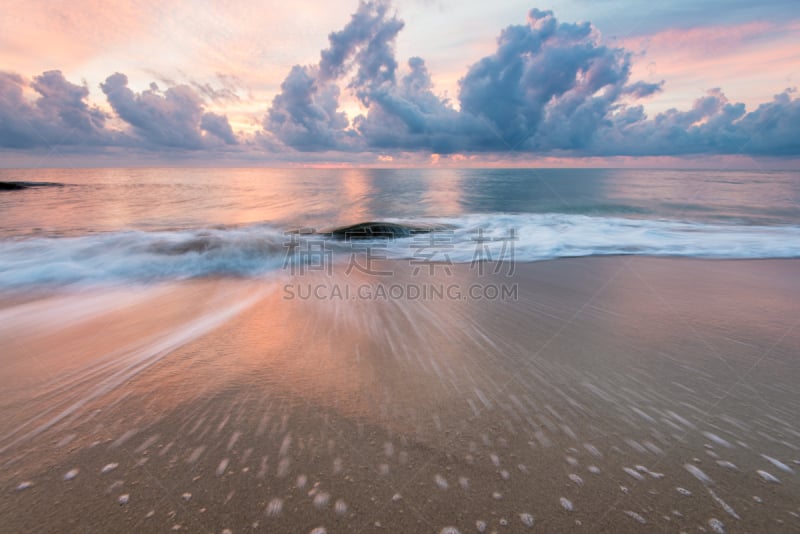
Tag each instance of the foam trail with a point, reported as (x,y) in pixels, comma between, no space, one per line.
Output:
(131,361)
(253,250)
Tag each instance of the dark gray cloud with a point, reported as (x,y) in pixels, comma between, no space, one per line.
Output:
(549,88)
(60,115)
(305,114)
(173,118)
(712,126)
(218,125)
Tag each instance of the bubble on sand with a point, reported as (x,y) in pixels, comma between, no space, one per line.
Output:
(449,530)
(698,474)
(223,465)
(321,499)
(24,485)
(109,467)
(716,526)
(566,504)
(441,482)
(757,499)
(283,468)
(480,525)
(684,491)
(571,461)
(463,482)
(594,469)
(275,507)
(777,463)
(124,498)
(591,449)
(340,507)
(576,479)
(633,473)
(635,516)
(186,496)
(319,530)
(768,477)
(527,519)
(725,506)
(718,440)
(727,465)
(497,495)
(396,497)
(72,473)
(196,454)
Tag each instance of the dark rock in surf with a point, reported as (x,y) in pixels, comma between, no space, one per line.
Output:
(381,230)
(12,186)
(17,186)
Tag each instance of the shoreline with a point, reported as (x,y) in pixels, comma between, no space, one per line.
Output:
(605,373)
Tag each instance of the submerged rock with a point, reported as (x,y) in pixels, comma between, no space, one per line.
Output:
(375,230)
(12,186)
(16,186)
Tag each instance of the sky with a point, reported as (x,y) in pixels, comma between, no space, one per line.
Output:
(409,82)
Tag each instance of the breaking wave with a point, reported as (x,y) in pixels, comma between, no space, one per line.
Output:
(135,256)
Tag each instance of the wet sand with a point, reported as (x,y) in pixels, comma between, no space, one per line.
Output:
(614,394)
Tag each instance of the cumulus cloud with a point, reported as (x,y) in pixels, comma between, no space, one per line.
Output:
(172,118)
(713,125)
(549,88)
(60,114)
(305,114)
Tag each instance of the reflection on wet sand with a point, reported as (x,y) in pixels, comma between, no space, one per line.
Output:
(604,398)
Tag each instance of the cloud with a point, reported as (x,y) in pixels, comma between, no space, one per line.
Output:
(60,115)
(712,126)
(305,114)
(173,118)
(549,88)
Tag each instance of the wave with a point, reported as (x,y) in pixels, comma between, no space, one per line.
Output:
(134,256)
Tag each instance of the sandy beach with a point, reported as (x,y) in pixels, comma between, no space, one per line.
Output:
(616,394)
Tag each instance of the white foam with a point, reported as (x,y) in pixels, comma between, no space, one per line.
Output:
(718,440)
(777,463)
(698,474)
(223,465)
(109,467)
(274,507)
(253,250)
(635,516)
(633,473)
(716,526)
(768,477)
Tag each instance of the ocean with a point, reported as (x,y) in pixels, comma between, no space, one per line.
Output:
(561,350)
(144,225)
